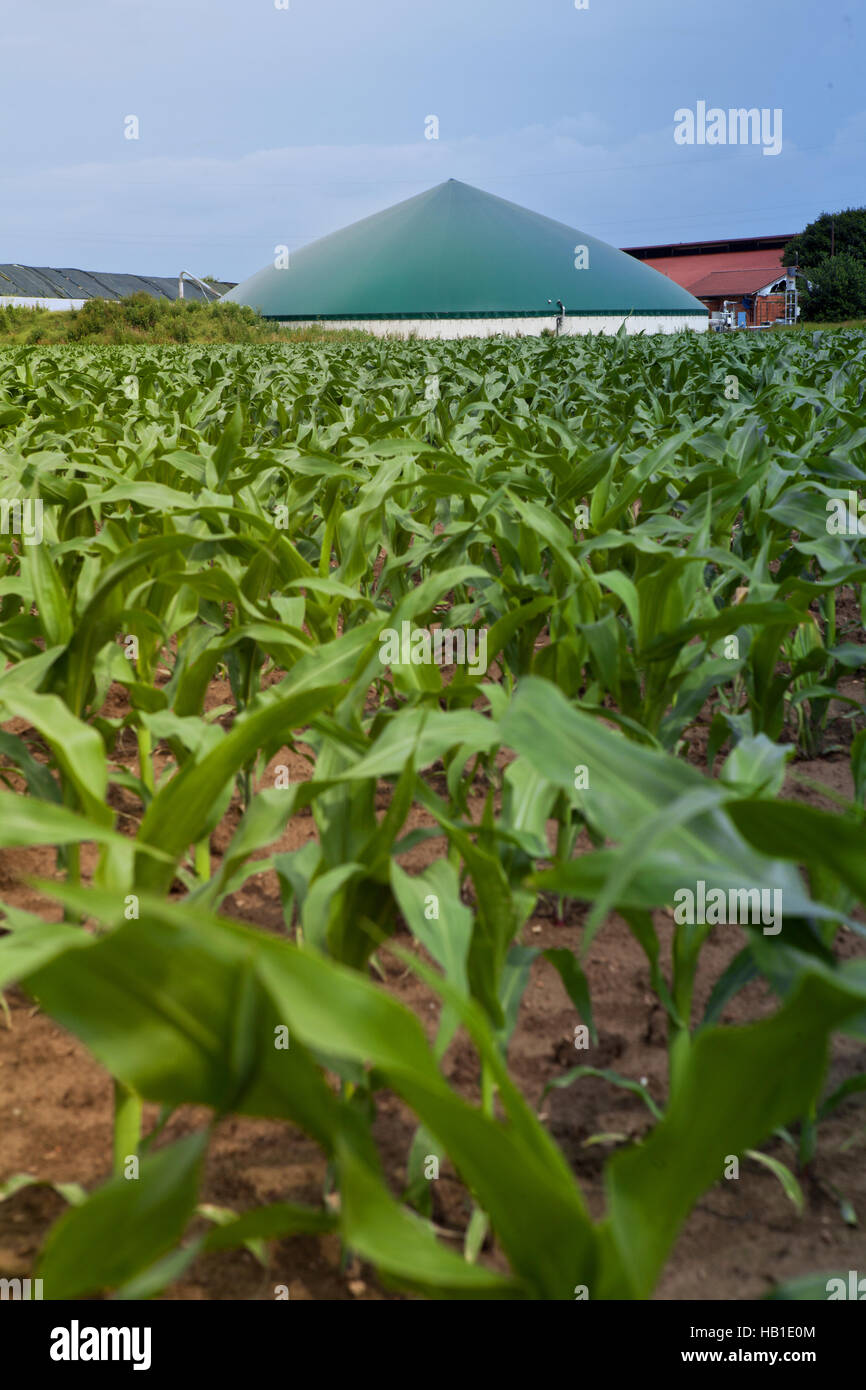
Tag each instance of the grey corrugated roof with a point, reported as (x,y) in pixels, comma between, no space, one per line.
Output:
(48,283)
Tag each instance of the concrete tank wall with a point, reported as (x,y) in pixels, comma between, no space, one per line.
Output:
(511,327)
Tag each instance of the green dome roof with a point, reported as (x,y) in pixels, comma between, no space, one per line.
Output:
(456,252)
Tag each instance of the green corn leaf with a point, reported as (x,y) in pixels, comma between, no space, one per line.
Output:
(125,1224)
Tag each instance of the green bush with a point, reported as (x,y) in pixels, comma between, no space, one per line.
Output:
(141,310)
(838,289)
(833,233)
(94,319)
(140,319)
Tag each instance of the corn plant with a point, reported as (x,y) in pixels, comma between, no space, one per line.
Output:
(648,555)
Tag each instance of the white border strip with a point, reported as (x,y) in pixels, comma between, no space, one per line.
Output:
(20,301)
(511,328)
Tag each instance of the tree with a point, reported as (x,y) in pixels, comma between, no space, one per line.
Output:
(843,233)
(837,289)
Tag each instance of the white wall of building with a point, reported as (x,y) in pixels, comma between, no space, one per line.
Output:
(21,301)
(512,327)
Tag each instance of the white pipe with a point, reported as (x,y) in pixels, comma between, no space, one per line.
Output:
(201,284)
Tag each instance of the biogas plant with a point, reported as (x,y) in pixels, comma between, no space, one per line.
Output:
(456,262)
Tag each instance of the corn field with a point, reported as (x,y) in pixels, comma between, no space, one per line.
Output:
(563,618)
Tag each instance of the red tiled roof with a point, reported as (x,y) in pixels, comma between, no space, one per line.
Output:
(689,270)
(735,281)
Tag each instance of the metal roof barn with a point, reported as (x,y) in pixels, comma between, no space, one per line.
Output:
(457,262)
(44,282)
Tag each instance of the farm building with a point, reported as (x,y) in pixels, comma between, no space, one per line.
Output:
(456,262)
(747,271)
(42,287)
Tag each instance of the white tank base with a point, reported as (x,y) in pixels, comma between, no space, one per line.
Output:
(511,327)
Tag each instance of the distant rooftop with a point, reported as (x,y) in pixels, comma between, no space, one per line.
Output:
(736,281)
(712,269)
(711,248)
(43,282)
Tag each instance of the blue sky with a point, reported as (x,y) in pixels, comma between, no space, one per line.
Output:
(262,126)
